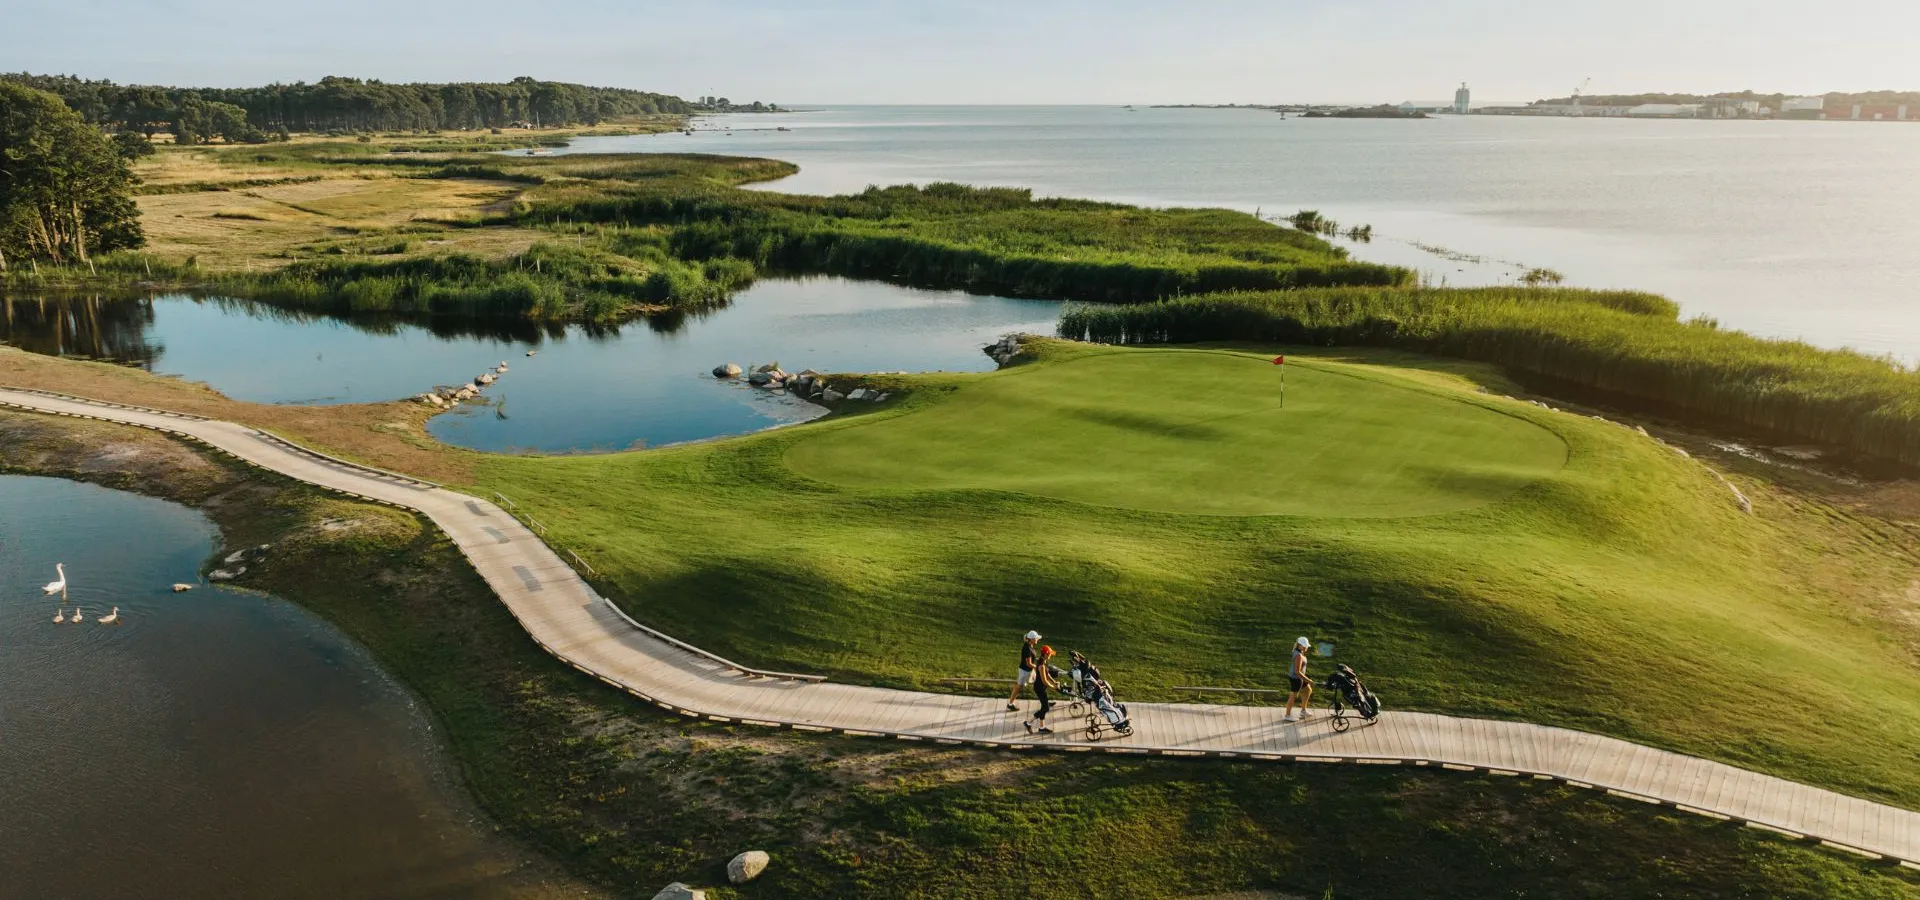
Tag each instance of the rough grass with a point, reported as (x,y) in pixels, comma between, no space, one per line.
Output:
(298,212)
(1625,594)
(1210,434)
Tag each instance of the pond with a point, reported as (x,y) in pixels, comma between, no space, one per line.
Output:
(589,388)
(212,743)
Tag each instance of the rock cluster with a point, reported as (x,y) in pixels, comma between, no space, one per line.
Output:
(1004,350)
(807,385)
(450,396)
(233,565)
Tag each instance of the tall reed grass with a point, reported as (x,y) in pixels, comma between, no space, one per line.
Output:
(1623,343)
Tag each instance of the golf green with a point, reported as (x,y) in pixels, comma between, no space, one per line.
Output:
(1191,431)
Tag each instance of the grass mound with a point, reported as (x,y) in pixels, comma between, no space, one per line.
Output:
(1624,593)
(1199,432)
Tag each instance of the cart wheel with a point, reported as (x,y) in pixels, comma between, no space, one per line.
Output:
(1125,730)
(1340,723)
(1093,733)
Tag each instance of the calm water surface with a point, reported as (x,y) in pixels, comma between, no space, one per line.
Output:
(589,388)
(1787,229)
(213,744)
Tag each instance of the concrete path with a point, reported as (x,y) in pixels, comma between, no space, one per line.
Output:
(565,616)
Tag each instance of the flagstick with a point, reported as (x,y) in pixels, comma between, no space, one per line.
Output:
(1283,385)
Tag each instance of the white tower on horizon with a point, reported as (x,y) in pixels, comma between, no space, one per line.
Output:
(1462,99)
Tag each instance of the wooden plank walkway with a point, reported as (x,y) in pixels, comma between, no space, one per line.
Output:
(564,615)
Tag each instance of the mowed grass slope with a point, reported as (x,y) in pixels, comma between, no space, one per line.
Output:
(1211,434)
(1623,592)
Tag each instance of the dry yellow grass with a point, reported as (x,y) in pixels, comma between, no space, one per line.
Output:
(259,227)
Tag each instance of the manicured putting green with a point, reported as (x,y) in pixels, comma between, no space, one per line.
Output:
(1192,431)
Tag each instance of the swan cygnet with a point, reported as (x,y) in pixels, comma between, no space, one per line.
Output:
(112,618)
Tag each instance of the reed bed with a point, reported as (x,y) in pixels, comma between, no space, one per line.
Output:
(1623,343)
(988,240)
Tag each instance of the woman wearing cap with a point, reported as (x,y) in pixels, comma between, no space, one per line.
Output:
(1299,685)
(1028,665)
(1042,680)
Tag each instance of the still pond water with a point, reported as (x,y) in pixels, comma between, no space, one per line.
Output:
(213,743)
(645,383)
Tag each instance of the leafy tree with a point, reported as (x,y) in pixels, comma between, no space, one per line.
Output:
(66,192)
(132,145)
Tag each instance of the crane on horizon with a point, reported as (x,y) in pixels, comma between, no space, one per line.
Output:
(1579,90)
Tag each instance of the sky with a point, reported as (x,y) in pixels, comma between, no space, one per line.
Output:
(976,51)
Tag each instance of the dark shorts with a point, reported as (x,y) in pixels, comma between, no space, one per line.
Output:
(1296,683)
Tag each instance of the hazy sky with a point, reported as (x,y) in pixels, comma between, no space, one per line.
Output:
(974,51)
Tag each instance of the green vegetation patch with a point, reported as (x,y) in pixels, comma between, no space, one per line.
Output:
(1199,432)
(1625,344)
(1625,593)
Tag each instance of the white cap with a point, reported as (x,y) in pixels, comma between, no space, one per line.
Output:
(1302,643)
(1035,635)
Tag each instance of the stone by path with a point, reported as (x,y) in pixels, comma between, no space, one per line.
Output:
(564,615)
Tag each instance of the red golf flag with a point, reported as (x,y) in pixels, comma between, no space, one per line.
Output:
(1279,360)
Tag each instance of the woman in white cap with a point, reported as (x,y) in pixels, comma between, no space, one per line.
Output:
(1029,661)
(1299,686)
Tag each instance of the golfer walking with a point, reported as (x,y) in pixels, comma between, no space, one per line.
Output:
(1299,686)
(1029,663)
(1042,683)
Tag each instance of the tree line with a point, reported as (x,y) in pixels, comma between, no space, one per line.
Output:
(344,104)
(66,189)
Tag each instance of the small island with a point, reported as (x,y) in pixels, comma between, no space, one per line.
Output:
(1383,111)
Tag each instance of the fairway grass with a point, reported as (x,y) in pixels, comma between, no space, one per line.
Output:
(1200,432)
(1624,593)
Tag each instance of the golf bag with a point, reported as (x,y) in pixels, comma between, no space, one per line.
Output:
(1349,692)
(1102,711)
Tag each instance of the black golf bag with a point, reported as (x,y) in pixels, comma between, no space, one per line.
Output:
(1349,692)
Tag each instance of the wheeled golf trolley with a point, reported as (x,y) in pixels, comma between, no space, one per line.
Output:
(1351,699)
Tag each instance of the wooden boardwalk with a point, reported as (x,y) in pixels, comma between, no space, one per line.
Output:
(565,616)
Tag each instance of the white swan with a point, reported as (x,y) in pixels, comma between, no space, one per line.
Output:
(55,587)
(112,618)
(77,617)
(60,615)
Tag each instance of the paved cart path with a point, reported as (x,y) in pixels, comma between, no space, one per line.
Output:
(565,616)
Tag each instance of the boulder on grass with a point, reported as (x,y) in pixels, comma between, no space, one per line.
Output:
(728,370)
(832,396)
(857,394)
(678,891)
(747,866)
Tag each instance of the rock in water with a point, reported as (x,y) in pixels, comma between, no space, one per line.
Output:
(181,588)
(678,891)
(729,370)
(760,378)
(226,574)
(769,367)
(747,866)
